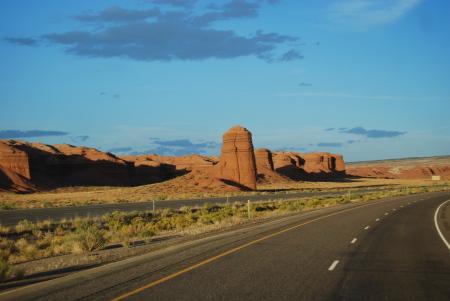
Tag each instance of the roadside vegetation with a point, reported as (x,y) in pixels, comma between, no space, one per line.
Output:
(27,240)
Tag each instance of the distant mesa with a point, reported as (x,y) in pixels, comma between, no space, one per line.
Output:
(31,167)
(407,168)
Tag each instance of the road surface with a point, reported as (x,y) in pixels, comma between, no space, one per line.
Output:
(389,249)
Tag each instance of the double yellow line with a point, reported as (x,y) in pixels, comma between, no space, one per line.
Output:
(234,250)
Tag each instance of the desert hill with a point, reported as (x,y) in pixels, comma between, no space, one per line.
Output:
(407,168)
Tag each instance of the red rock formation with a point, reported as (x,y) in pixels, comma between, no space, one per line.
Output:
(14,159)
(14,182)
(237,161)
(30,166)
(310,166)
(263,156)
(323,162)
(53,166)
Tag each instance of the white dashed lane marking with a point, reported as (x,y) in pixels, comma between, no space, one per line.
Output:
(333,265)
(353,241)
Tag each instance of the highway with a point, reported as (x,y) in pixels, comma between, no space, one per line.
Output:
(390,249)
(12,217)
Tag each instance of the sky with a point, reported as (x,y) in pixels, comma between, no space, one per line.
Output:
(367,79)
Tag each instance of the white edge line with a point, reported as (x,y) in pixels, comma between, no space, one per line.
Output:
(437,227)
(333,265)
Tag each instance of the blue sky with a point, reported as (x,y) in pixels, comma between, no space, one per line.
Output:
(367,79)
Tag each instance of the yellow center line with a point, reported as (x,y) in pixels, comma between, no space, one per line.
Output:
(233,250)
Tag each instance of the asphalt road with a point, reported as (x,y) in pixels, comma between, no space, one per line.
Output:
(12,217)
(389,249)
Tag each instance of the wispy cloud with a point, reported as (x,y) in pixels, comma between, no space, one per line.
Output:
(291,149)
(177,3)
(118,14)
(329,144)
(185,143)
(11,134)
(80,138)
(120,150)
(373,133)
(163,147)
(430,130)
(363,14)
(22,41)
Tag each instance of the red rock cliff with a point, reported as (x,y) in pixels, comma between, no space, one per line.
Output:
(14,159)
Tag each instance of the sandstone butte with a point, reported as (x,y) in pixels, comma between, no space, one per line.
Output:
(237,164)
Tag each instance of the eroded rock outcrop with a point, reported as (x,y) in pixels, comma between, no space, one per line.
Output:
(152,168)
(51,166)
(311,166)
(14,159)
(237,161)
(263,156)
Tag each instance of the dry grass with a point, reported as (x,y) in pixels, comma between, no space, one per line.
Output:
(170,190)
(350,183)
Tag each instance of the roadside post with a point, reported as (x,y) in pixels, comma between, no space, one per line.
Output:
(249,214)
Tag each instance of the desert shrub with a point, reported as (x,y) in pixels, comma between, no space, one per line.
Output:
(88,238)
(121,201)
(186,209)
(7,206)
(167,212)
(114,216)
(25,226)
(47,225)
(163,224)
(146,233)
(5,270)
(115,225)
(161,197)
(25,251)
(137,220)
(47,204)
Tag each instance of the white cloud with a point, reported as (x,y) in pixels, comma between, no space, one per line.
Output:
(362,14)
